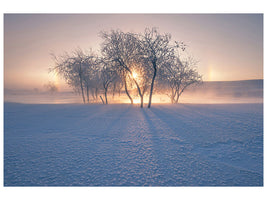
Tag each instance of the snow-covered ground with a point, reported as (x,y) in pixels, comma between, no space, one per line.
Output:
(123,145)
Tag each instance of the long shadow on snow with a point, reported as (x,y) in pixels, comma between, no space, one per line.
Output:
(177,123)
(163,151)
(186,127)
(116,120)
(108,148)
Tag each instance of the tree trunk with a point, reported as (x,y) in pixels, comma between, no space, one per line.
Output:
(139,90)
(172,96)
(126,90)
(96,93)
(87,93)
(113,92)
(177,98)
(81,82)
(152,84)
(106,98)
(102,100)
(140,93)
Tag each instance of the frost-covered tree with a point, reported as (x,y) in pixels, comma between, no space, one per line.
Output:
(180,75)
(142,77)
(130,61)
(90,75)
(157,50)
(124,50)
(71,68)
(126,82)
(78,69)
(108,75)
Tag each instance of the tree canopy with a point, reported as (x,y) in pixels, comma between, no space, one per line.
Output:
(138,64)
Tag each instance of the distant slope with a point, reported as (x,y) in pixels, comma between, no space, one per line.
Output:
(245,88)
(246,91)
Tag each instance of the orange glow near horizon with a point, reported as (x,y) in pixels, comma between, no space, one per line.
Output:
(211,74)
(136,101)
(56,80)
(156,98)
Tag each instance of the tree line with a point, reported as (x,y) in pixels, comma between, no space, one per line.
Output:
(129,62)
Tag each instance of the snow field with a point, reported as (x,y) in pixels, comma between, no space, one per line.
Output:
(123,145)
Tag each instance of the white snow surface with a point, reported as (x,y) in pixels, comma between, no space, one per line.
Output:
(124,145)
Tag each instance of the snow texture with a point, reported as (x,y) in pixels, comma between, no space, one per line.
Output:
(123,145)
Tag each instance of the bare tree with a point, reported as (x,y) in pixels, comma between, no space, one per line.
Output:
(91,68)
(180,75)
(131,61)
(142,77)
(107,75)
(157,51)
(96,84)
(78,69)
(126,83)
(117,86)
(51,87)
(124,50)
(72,68)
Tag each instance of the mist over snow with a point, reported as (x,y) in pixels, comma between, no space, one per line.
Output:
(247,91)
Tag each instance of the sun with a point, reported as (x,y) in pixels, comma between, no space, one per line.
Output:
(136,101)
(134,75)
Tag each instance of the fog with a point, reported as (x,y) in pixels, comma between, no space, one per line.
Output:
(248,91)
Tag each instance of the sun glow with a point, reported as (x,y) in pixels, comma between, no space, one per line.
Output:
(136,101)
(134,74)
(56,79)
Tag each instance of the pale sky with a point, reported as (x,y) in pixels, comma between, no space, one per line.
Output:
(228,46)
